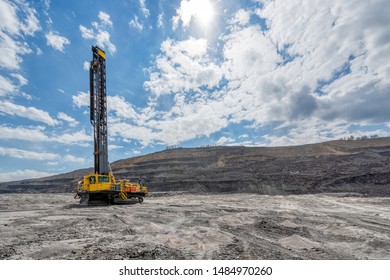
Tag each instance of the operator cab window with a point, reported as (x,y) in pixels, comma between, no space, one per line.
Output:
(92,179)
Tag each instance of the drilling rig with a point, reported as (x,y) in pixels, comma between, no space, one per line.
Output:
(101,186)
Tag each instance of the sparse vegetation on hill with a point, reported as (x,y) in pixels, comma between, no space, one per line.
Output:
(359,166)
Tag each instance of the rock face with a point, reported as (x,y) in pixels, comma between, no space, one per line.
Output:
(360,166)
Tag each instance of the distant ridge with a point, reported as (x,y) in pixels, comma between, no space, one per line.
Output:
(346,166)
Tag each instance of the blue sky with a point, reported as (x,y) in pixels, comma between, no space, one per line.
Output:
(188,73)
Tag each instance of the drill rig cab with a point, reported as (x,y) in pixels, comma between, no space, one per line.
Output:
(101,186)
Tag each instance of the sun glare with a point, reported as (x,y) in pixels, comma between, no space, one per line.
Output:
(203,11)
(199,11)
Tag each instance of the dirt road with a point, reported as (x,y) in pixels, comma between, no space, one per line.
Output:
(186,226)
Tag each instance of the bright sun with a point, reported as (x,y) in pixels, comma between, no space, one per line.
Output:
(203,11)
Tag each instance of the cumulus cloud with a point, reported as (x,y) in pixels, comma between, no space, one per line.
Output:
(16,21)
(311,78)
(241,17)
(190,10)
(183,66)
(31,113)
(22,80)
(324,68)
(56,41)
(105,18)
(78,137)
(35,134)
(38,134)
(121,108)
(72,122)
(81,99)
(99,32)
(115,104)
(132,132)
(337,55)
(70,158)
(6,86)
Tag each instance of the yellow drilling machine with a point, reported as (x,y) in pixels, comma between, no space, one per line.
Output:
(101,187)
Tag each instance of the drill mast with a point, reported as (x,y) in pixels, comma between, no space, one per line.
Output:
(101,187)
(98,109)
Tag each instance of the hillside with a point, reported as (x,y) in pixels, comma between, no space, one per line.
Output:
(360,166)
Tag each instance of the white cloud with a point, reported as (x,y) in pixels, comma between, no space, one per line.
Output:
(127,131)
(39,51)
(105,18)
(23,174)
(160,20)
(70,158)
(249,53)
(263,76)
(86,33)
(72,122)
(22,80)
(116,104)
(37,134)
(121,108)
(224,141)
(31,113)
(316,130)
(56,41)
(202,10)
(145,11)
(40,156)
(114,147)
(99,32)
(33,134)
(332,42)
(17,20)
(179,124)
(6,86)
(81,99)
(183,66)
(72,138)
(322,69)
(134,23)
(86,65)
(241,17)
(24,154)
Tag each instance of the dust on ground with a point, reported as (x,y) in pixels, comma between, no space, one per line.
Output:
(188,226)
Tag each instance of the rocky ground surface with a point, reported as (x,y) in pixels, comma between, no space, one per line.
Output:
(361,166)
(194,226)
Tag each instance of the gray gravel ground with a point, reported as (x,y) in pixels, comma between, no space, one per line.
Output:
(188,226)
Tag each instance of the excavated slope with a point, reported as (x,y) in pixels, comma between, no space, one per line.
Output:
(360,166)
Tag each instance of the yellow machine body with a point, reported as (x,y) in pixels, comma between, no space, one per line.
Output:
(104,188)
(97,182)
(133,189)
